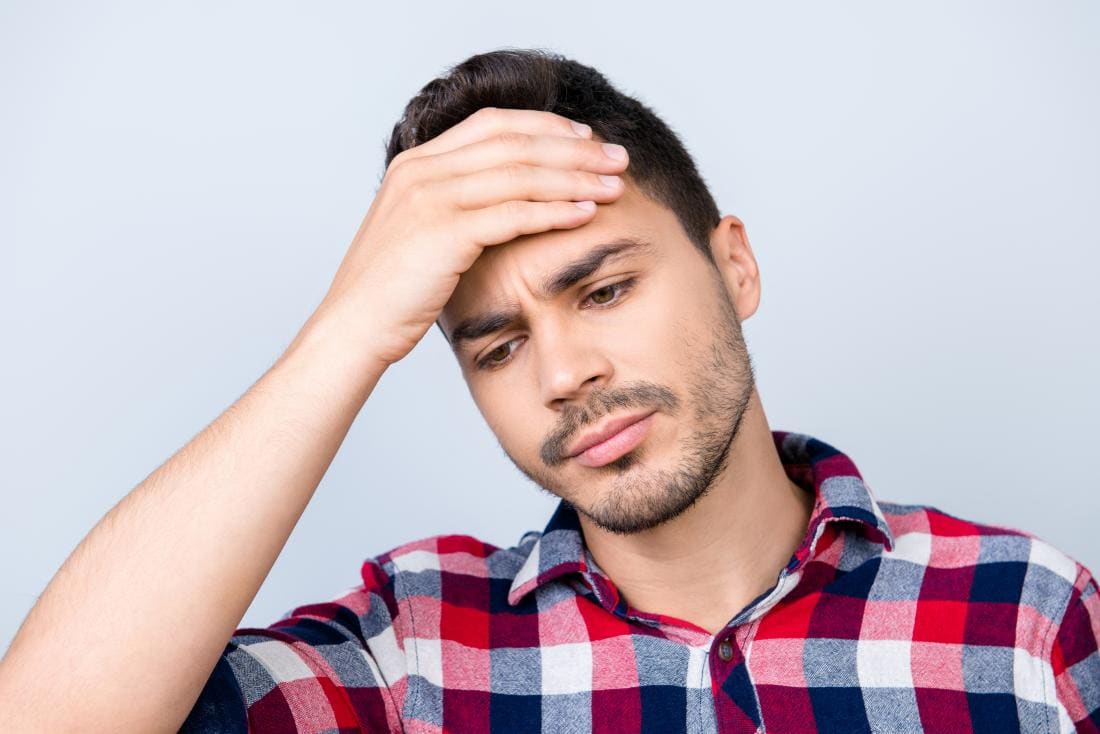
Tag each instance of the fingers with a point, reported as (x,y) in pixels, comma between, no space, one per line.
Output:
(531,183)
(553,151)
(490,121)
(493,225)
(503,173)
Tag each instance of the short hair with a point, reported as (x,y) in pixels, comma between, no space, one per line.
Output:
(539,79)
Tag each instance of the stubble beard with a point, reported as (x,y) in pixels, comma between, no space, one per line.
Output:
(639,498)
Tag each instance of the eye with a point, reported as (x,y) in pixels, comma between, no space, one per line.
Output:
(609,294)
(612,290)
(488,362)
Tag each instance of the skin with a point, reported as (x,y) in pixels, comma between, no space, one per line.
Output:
(214,516)
(700,518)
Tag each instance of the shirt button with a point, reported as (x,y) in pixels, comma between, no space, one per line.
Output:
(725,650)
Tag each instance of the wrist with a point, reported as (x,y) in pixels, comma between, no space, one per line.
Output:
(340,340)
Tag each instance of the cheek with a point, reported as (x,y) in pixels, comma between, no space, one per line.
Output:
(509,419)
(665,331)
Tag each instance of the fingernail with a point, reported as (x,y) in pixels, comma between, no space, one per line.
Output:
(612,181)
(580,128)
(586,205)
(613,150)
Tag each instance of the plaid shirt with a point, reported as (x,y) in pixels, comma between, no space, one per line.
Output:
(888,617)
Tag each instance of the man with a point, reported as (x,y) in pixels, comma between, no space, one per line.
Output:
(701,572)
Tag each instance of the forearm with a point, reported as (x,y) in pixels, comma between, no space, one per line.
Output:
(128,630)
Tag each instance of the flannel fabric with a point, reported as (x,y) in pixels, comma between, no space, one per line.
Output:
(887,618)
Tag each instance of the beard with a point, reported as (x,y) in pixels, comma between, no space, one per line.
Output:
(640,497)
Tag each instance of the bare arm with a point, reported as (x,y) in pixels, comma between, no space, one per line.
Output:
(127,632)
(129,629)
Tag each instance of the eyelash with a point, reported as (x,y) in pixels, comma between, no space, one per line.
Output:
(622,287)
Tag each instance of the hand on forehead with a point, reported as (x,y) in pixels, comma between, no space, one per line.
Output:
(530,260)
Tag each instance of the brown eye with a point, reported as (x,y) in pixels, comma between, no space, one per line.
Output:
(490,362)
(607,290)
(610,292)
(500,351)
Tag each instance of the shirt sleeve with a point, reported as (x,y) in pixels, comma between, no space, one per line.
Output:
(1074,655)
(328,667)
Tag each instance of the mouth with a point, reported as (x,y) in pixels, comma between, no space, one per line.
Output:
(611,448)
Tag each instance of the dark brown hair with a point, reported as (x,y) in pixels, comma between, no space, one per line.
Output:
(538,79)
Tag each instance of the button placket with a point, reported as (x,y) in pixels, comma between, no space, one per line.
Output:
(736,705)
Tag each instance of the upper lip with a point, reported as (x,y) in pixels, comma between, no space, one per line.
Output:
(606,430)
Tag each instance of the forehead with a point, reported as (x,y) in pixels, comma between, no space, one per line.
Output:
(491,280)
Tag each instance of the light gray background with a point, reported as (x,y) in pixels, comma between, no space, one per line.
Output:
(178,185)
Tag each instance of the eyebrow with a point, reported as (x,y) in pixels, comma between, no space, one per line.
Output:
(564,278)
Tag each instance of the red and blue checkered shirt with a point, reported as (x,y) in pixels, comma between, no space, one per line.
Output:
(887,618)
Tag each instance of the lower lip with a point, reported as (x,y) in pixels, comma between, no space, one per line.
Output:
(614,447)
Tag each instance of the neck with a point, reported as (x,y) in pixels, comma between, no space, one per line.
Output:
(707,564)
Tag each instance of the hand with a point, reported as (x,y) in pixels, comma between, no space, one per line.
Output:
(494,176)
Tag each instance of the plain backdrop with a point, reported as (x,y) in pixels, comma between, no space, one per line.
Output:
(179,182)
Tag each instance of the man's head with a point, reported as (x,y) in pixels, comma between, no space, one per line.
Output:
(540,80)
(635,312)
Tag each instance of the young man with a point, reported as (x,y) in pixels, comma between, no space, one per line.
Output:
(701,573)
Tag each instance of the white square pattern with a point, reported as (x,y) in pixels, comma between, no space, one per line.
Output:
(1032,677)
(884,663)
(915,547)
(417,560)
(428,658)
(566,668)
(1047,555)
(280,660)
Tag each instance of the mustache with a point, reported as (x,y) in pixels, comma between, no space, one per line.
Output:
(646,395)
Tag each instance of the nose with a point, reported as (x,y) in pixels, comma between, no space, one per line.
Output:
(571,363)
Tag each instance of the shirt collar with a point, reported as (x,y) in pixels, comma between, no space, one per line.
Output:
(841,497)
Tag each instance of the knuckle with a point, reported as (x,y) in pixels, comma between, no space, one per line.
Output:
(391,170)
(417,193)
(400,157)
(512,140)
(513,209)
(514,172)
(486,114)
(407,157)
(409,170)
(398,169)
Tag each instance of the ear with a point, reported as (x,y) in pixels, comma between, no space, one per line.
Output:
(735,262)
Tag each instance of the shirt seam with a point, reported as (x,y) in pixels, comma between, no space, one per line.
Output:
(701,717)
(399,710)
(750,637)
(1048,656)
